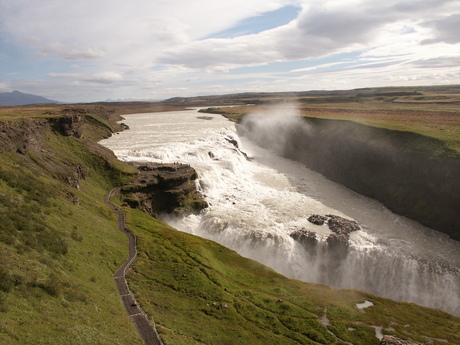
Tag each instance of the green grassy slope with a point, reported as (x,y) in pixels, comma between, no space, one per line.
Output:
(59,246)
(199,292)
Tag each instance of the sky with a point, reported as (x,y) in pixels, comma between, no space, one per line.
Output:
(97,50)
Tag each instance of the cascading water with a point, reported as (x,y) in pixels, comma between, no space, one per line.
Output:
(258,199)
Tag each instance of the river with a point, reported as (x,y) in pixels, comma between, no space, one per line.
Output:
(256,199)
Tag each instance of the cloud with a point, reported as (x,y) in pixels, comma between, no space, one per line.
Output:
(154,47)
(71,52)
(62,75)
(339,27)
(446,62)
(445,30)
(318,30)
(105,78)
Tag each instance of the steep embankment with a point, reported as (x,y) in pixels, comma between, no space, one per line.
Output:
(413,175)
(59,244)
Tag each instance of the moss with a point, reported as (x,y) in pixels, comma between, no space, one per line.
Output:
(354,333)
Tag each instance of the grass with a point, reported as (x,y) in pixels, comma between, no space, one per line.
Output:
(199,292)
(58,255)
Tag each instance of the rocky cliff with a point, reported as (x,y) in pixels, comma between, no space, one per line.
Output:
(413,175)
(29,138)
(164,189)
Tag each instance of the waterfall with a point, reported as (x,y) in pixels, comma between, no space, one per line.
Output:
(257,200)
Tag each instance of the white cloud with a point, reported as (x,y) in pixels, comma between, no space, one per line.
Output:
(105,78)
(62,75)
(71,52)
(146,46)
(319,30)
(446,30)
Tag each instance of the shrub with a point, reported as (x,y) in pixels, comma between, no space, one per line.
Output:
(53,285)
(3,305)
(52,242)
(6,280)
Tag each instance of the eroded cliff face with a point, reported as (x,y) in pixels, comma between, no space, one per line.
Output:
(412,175)
(164,189)
(31,139)
(22,136)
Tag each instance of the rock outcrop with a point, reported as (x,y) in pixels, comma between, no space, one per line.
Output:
(24,136)
(317,219)
(341,226)
(390,340)
(337,242)
(306,238)
(28,138)
(165,189)
(72,125)
(76,173)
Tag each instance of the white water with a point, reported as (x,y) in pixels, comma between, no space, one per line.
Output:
(255,204)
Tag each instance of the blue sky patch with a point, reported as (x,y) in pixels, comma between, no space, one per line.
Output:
(263,22)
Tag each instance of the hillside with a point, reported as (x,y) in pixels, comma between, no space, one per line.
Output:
(60,246)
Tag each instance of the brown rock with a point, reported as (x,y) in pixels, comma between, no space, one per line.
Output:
(165,188)
(305,237)
(341,225)
(72,125)
(317,219)
(390,340)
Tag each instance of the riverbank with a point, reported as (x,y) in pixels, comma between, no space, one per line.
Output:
(411,174)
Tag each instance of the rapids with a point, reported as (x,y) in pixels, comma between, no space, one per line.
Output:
(257,199)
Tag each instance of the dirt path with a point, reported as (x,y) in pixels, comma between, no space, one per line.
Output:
(144,326)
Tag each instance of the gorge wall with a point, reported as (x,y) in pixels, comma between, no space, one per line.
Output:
(413,175)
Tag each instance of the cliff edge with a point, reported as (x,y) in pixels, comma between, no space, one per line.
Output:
(411,174)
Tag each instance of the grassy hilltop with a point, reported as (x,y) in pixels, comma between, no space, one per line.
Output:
(59,246)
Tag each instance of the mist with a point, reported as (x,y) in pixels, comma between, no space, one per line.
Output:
(279,128)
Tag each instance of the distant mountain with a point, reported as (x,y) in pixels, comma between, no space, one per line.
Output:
(20,98)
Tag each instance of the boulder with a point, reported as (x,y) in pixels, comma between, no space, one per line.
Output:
(306,238)
(390,340)
(340,225)
(317,219)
